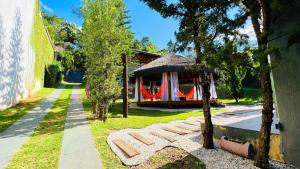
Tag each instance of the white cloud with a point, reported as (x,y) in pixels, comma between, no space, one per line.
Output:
(46,8)
(248,30)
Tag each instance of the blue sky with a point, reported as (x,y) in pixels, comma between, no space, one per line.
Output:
(144,21)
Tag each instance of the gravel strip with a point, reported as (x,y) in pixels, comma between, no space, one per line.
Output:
(218,158)
(191,143)
(159,143)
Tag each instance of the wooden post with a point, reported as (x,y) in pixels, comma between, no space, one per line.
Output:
(125,86)
(153,87)
(139,89)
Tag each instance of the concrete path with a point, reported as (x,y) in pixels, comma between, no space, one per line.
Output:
(14,137)
(243,117)
(78,150)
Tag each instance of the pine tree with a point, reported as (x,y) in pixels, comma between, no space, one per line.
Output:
(263,13)
(105,38)
(200,24)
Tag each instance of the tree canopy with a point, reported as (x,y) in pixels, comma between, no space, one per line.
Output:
(66,38)
(105,38)
(145,45)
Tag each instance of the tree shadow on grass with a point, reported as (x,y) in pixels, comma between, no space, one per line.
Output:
(117,109)
(54,121)
(29,122)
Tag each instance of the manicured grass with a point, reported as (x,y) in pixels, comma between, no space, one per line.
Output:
(42,149)
(251,96)
(137,119)
(242,101)
(11,115)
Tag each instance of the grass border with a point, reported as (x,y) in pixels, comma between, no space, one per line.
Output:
(13,114)
(136,119)
(43,148)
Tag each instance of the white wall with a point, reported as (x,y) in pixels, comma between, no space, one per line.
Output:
(16,53)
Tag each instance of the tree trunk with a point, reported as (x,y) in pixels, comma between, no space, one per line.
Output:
(100,111)
(97,111)
(236,100)
(125,86)
(262,157)
(208,130)
(261,10)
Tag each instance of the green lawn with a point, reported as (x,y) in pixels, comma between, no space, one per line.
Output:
(42,149)
(11,115)
(136,119)
(251,96)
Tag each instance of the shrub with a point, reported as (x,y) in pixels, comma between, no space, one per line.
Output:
(52,75)
(223,91)
(59,77)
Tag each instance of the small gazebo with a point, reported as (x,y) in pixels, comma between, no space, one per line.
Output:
(170,81)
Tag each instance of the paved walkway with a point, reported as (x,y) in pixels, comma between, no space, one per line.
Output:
(78,150)
(14,137)
(243,117)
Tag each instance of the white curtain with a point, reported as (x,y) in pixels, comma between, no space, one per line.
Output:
(136,90)
(164,81)
(213,92)
(199,89)
(141,95)
(174,86)
(195,89)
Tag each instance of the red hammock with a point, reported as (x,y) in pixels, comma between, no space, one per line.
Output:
(188,95)
(148,95)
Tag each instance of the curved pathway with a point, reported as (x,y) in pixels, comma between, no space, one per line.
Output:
(14,137)
(78,150)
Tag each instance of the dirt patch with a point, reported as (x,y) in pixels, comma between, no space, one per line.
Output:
(172,158)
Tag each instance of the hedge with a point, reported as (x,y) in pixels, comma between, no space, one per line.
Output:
(52,75)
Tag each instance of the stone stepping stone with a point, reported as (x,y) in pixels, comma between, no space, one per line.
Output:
(141,138)
(188,128)
(125,147)
(163,136)
(192,123)
(174,130)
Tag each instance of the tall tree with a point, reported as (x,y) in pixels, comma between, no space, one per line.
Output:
(260,13)
(125,85)
(263,13)
(105,38)
(148,46)
(233,63)
(145,45)
(171,46)
(66,38)
(200,24)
